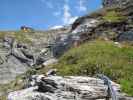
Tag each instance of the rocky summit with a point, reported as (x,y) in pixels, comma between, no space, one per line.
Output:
(26,56)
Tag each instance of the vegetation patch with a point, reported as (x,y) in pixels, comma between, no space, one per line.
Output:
(100,57)
(127,86)
(2,34)
(114,16)
(18,35)
(21,37)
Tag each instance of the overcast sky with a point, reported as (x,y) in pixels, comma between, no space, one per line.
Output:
(43,14)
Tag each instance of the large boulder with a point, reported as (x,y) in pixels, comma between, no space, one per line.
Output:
(63,88)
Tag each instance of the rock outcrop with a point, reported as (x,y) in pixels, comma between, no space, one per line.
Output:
(17,56)
(116,3)
(64,88)
(10,66)
(16,60)
(69,88)
(112,22)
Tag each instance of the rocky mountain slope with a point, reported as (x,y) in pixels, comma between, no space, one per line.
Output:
(22,52)
(110,22)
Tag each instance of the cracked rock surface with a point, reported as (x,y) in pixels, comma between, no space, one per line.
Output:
(63,88)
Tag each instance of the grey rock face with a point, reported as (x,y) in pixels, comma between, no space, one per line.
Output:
(51,72)
(12,61)
(86,25)
(15,59)
(91,28)
(29,94)
(61,44)
(63,88)
(126,36)
(10,69)
(116,3)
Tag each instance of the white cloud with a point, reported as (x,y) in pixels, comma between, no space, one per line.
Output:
(82,7)
(67,14)
(60,11)
(56,27)
(67,17)
(72,19)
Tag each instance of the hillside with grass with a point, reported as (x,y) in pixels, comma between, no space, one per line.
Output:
(100,57)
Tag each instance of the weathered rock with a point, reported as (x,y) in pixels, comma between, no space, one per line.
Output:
(61,44)
(116,3)
(94,25)
(85,25)
(64,88)
(88,28)
(51,72)
(15,59)
(10,65)
(30,94)
(10,69)
(8,42)
(126,36)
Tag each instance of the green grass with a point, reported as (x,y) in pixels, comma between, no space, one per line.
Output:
(127,86)
(2,34)
(21,37)
(18,35)
(100,57)
(113,16)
